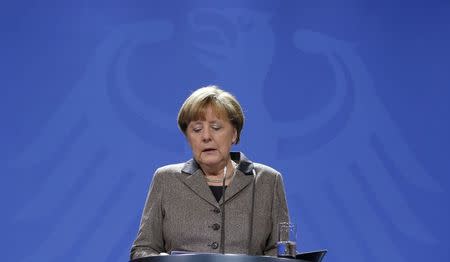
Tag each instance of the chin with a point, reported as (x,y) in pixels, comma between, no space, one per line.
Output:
(211,161)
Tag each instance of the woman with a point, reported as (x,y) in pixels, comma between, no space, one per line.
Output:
(219,201)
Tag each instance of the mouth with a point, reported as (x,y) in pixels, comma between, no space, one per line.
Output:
(207,150)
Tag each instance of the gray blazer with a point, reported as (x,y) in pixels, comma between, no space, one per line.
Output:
(182,214)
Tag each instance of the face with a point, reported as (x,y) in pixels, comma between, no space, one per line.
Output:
(211,140)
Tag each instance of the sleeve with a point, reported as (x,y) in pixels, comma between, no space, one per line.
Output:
(149,240)
(280,213)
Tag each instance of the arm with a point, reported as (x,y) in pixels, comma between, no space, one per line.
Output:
(279,214)
(149,240)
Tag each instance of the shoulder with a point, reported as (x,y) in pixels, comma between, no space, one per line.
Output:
(170,169)
(167,172)
(267,174)
(265,170)
(269,181)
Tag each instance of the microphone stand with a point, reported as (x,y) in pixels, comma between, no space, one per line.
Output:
(222,232)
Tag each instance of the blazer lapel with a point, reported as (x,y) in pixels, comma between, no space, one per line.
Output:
(194,179)
(239,183)
(243,176)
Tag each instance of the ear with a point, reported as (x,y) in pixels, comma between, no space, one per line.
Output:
(233,140)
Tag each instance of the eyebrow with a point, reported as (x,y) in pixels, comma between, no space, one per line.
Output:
(211,122)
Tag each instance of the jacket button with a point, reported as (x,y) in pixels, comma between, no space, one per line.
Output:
(215,226)
(216,210)
(214,245)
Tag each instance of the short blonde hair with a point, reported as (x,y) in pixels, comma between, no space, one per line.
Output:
(224,104)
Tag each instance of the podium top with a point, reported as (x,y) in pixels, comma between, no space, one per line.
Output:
(214,258)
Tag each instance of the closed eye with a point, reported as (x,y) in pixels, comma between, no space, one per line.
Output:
(216,127)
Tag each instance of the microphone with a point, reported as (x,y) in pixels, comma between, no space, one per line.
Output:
(222,231)
(250,221)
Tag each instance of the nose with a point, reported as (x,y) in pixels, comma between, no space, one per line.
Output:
(206,135)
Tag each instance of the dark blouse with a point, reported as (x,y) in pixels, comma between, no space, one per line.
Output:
(217,191)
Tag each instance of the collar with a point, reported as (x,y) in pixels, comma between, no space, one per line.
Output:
(244,164)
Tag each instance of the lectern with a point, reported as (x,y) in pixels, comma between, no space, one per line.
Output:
(315,256)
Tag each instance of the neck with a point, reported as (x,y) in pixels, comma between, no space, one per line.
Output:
(217,171)
(224,177)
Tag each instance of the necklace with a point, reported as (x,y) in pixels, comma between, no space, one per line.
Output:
(218,180)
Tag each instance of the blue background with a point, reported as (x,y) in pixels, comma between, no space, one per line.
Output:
(348,99)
